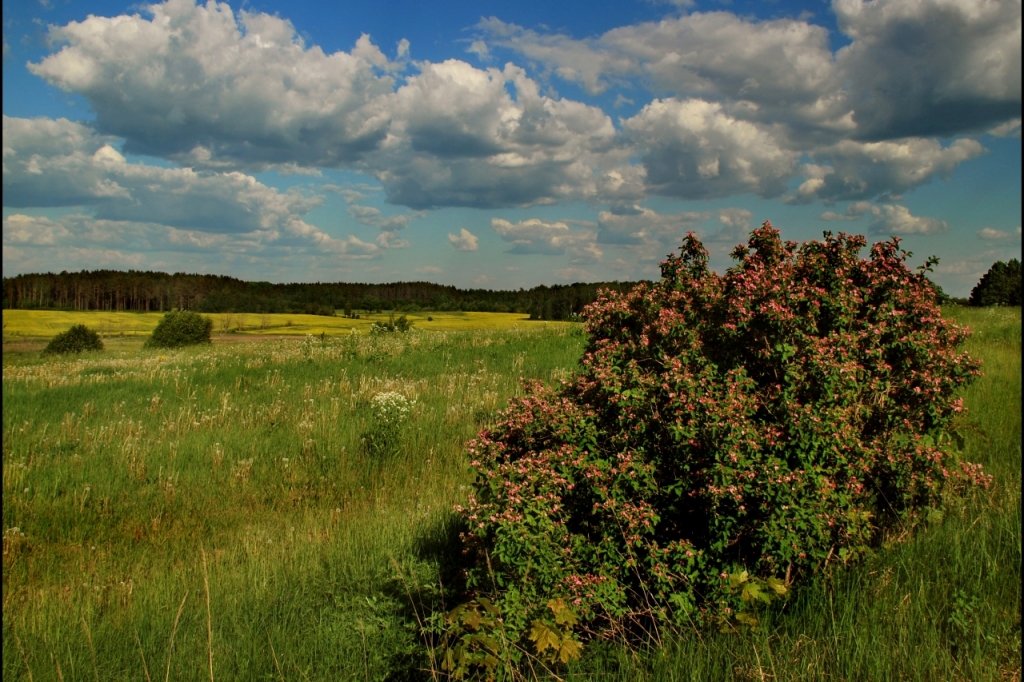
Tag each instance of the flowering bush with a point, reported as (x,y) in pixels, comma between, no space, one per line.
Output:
(390,411)
(725,437)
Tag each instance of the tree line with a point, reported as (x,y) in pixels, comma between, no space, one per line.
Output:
(146,291)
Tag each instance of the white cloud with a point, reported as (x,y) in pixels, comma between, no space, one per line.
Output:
(199,84)
(741,102)
(865,170)
(458,137)
(69,233)
(535,236)
(636,225)
(889,219)
(464,240)
(573,275)
(854,211)
(429,270)
(1008,129)
(991,234)
(80,169)
(893,219)
(765,70)
(914,68)
(930,67)
(694,150)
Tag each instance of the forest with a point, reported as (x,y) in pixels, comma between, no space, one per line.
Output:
(147,291)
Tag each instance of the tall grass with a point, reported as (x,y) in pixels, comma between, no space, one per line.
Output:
(124,469)
(121,468)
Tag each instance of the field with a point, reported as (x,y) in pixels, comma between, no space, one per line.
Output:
(222,513)
(36,325)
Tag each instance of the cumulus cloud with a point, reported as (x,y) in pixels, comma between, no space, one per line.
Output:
(866,170)
(638,226)
(535,236)
(458,137)
(772,64)
(912,68)
(464,240)
(59,163)
(694,150)
(893,219)
(889,219)
(205,86)
(743,106)
(389,226)
(930,67)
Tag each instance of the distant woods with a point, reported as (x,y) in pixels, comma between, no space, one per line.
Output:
(158,291)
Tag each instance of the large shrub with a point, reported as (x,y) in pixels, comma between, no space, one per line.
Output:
(180,328)
(725,437)
(75,340)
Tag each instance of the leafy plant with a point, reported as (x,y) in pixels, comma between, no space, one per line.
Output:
(401,325)
(180,328)
(75,340)
(725,437)
(390,412)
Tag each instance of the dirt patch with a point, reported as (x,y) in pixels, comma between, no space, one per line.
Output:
(244,338)
(24,346)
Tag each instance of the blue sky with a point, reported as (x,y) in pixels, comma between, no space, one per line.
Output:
(503,145)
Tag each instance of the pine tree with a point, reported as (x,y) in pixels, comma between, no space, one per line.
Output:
(1001,285)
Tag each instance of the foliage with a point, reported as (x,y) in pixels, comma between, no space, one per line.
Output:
(75,340)
(390,412)
(111,290)
(725,437)
(402,325)
(1001,285)
(180,328)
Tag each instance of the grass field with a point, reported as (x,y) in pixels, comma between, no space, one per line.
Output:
(217,513)
(43,324)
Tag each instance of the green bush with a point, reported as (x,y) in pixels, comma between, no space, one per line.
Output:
(725,438)
(401,325)
(75,340)
(180,328)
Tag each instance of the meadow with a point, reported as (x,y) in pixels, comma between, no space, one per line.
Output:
(41,325)
(222,513)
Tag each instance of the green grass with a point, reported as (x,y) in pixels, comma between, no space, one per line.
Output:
(122,469)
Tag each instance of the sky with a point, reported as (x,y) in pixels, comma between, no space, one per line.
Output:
(503,145)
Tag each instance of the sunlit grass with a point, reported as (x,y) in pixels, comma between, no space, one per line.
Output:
(39,324)
(122,468)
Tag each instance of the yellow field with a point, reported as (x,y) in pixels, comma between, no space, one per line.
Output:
(37,324)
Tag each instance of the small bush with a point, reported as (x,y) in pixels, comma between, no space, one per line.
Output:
(390,413)
(180,328)
(75,340)
(401,325)
(725,437)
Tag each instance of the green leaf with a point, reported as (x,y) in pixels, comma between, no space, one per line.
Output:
(472,619)
(544,637)
(488,606)
(563,614)
(570,650)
